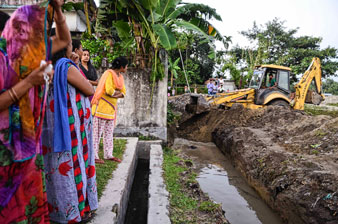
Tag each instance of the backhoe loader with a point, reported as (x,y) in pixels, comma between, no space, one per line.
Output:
(270,85)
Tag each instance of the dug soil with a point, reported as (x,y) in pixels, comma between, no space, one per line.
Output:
(290,158)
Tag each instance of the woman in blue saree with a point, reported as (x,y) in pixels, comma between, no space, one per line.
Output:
(67,144)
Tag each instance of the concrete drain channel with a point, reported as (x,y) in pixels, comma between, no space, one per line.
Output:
(136,193)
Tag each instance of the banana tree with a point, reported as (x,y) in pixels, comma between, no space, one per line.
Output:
(173,68)
(153,23)
(157,21)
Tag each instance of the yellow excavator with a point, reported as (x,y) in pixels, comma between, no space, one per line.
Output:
(270,85)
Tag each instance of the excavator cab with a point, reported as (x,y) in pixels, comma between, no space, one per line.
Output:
(271,84)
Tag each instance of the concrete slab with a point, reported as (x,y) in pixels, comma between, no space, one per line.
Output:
(114,201)
(143,148)
(158,195)
(157,132)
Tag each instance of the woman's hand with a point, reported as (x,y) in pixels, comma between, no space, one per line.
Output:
(37,76)
(57,4)
(118,94)
(75,58)
(18,90)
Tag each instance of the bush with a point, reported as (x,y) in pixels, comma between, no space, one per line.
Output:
(171,116)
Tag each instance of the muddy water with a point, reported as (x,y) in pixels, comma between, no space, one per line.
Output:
(224,184)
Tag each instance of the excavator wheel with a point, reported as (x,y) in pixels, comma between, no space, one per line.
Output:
(281,103)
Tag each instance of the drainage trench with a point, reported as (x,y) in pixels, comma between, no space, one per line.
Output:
(225,185)
(137,210)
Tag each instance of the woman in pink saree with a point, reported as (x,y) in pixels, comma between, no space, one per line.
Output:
(22,47)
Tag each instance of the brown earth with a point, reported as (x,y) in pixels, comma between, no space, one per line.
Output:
(289,157)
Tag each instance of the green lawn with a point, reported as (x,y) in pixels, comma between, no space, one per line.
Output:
(104,171)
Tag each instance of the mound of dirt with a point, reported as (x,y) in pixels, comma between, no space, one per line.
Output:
(200,127)
(289,157)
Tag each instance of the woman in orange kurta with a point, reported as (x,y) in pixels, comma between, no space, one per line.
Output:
(104,106)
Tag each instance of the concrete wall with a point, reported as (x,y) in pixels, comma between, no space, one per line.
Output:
(330,99)
(134,116)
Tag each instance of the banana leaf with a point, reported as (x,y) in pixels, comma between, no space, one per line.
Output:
(166,6)
(189,26)
(149,4)
(177,12)
(167,38)
(123,29)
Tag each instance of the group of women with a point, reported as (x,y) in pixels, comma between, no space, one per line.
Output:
(49,128)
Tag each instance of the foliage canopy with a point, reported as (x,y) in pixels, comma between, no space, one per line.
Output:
(274,44)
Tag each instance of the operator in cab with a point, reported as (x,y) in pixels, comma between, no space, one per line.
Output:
(272,81)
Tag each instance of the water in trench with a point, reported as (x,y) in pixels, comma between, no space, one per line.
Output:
(224,184)
(137,210)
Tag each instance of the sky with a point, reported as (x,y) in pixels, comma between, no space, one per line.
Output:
(316,18)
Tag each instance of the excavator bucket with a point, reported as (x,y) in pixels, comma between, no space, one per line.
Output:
(198,104)
(313,98)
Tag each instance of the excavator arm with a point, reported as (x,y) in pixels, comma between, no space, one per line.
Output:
(245,97)
(302,87)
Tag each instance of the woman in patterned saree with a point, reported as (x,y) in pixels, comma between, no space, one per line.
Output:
(22,47)
(67,144)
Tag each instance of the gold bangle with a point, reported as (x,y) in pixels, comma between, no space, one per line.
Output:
(15,95)
(11,95)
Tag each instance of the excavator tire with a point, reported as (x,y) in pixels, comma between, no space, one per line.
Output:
(281,103)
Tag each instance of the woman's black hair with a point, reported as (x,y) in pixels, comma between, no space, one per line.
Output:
(120,62)
(3,19)
(60,54)
(86,50)
(76,44)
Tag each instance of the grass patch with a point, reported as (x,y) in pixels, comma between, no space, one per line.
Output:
(333,104)
(146,138)
(171,115)
(320,133)
(185,206)
(320,111)
(315,152)
(172,171)
(104,171)
(208,206)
